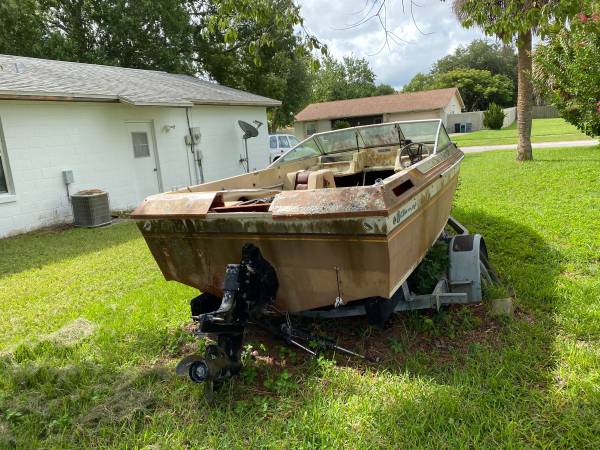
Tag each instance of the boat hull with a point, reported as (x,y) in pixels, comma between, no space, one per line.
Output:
(316,259)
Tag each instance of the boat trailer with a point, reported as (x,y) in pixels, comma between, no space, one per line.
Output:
(250,288)
(468,271)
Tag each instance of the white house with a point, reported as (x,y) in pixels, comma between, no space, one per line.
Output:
(433,104)
(125,131)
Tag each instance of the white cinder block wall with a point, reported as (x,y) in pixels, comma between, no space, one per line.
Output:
(92,139)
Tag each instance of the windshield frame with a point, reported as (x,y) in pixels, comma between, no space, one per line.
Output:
(316,138)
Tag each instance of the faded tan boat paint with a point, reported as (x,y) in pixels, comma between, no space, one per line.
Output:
(369,237)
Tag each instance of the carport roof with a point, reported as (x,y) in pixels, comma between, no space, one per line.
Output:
(43,79)
(370,106)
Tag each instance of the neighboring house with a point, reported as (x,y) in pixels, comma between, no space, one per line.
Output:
(120,130)
(435,104)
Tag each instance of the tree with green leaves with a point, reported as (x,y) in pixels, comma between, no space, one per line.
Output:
(295,93)
(482,54)
(256,49)
(251,45)
(478,88)
(142,34)
(22,28)
(384,89)
(567,70)
(349,78)
(253,25)
(516,20)
(420,82)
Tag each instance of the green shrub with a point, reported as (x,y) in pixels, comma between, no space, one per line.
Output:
(427,274)
(567,69)
(493,118)
(339,124)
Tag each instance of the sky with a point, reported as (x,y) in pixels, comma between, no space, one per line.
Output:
(440,34)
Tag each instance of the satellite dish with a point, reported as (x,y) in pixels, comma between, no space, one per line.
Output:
(250,131)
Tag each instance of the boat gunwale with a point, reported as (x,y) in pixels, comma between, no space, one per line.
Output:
(376,237)
(412,173)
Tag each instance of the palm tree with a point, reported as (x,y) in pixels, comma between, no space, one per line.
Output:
(506,20)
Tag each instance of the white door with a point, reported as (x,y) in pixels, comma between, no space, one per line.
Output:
(143,153)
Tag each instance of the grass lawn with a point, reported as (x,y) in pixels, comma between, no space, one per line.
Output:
(543,130)
(90,333)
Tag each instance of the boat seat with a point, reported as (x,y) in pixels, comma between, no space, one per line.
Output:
(402,162)
(289,182)
(321,179)
(309,179)
(301,181)
(372,159)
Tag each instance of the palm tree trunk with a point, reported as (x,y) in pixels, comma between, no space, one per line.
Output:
(524,97)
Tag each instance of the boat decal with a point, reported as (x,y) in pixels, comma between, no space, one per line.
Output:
(400,216)
(442,187)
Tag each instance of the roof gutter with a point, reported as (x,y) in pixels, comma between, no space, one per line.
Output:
(77,97)
(271,104)
(52,96)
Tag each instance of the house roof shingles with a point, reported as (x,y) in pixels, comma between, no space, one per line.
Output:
(32,77)
(370,106)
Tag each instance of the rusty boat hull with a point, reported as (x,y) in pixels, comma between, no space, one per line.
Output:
(324,240)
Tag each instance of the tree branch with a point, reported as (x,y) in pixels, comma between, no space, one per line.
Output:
(378,9)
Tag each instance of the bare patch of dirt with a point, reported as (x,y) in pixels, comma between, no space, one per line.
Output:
(523,315)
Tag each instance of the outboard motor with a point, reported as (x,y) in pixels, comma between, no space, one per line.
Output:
(247,288)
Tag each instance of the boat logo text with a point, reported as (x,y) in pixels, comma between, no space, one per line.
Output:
(404,212)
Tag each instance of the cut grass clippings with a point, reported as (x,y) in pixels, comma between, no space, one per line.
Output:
(90,334)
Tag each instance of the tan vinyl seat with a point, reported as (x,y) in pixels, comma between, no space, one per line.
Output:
(402,162)
(289,182)
(309,179)
(358,162)
(321,179)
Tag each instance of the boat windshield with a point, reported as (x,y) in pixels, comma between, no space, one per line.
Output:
(381,135)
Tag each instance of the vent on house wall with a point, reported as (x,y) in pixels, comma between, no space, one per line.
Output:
(90,208)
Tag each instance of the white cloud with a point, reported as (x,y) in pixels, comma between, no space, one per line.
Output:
(332,22)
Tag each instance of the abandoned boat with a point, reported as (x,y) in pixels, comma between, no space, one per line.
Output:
(343,216)
(341,219)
